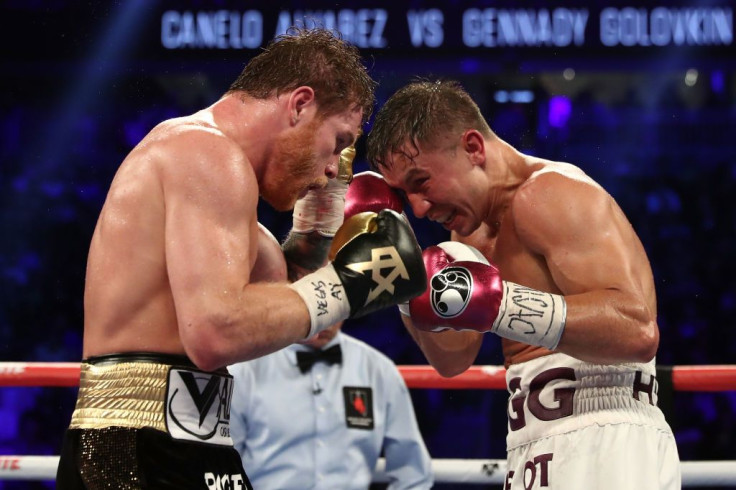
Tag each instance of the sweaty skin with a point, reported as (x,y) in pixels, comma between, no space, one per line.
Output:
(545,225)
(172,254)
(270,263)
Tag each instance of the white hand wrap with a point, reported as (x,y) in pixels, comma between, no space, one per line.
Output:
(323,293)
(530,316)
(321,210)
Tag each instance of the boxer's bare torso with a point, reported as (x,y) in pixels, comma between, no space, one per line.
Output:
(536,260)
(548,226)
(171,257)
(129,304)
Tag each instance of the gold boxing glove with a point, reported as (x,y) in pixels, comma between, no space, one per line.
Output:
(345,165)
(375,262)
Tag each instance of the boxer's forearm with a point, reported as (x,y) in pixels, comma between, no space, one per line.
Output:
(450,352)
(305,253)
(625,330)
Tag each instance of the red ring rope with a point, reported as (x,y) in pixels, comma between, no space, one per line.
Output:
(684,378)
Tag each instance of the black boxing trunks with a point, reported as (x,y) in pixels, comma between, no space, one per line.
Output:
(150,421)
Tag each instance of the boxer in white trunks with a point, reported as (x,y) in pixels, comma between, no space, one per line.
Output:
(542,256)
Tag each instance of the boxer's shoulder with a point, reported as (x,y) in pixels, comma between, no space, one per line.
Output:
(554,176)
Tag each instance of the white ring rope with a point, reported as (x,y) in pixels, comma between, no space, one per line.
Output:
(469,471)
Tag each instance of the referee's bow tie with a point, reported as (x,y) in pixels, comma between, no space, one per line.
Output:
(306,359)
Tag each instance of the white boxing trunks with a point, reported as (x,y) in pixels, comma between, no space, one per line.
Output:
(574,425)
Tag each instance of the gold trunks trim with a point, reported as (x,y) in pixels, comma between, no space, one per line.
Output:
(125,394)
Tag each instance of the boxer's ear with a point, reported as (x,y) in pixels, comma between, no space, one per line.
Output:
(301,99)
(475,146)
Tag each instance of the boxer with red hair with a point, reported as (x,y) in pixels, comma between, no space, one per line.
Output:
(169,296)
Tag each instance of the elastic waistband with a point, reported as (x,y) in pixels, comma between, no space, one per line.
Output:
(183,401)
(174,360)
(121,394)
(557,393)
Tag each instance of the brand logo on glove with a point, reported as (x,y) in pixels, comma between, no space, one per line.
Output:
(450,291)
(382,258)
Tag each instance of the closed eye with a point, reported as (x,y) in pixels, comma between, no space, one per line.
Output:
(343,141)
(418,183)
(403,195)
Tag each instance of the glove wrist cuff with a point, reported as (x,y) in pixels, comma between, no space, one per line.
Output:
(324,294)
(404,309)
(530,316)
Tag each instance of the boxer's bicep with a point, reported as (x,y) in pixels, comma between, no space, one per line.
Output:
(449,352)
(590,252)
(210,235)
(270,263)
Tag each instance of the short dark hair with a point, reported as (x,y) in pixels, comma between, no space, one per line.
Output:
(421,113)
(317,58)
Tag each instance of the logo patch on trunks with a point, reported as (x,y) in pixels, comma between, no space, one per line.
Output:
(198,406)
(358,407)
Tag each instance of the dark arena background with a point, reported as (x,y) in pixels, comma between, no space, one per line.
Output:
(641,95)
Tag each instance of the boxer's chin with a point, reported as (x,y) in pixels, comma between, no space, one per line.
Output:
(278,201)
(282,197)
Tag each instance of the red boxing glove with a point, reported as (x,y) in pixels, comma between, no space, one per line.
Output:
(465,292)
(369,192)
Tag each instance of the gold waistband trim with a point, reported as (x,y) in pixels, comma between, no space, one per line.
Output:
(126,394)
